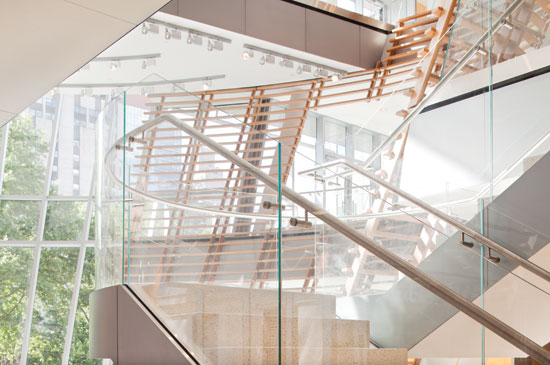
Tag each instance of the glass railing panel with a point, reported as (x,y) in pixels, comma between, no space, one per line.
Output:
(350,197)
(436,250)
(201,247)
(109,203)
(338,300)
(523,31)
(210,279)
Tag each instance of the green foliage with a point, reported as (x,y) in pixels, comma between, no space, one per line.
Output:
(24,174)
(15,264)
(79,351)
(26,155)
(18,219)
(64,221)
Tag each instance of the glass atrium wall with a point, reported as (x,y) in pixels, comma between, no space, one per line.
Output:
(47,265)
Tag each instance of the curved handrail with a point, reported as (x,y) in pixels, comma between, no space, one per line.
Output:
(109,157)
(473,311)
(528,265)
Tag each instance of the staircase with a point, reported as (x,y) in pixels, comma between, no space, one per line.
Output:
(239,326)
(204,244)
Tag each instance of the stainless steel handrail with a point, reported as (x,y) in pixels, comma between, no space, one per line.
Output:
(473,311)
(526,264)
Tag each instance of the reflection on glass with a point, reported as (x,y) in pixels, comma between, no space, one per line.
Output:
(15,269)
(80,346)
(64,221)
(26,155)
(51,305)
(74,154)
(19,219)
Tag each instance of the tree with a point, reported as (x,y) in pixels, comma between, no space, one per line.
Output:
(24,174)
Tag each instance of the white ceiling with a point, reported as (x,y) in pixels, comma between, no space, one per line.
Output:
(45,41)
(180,60)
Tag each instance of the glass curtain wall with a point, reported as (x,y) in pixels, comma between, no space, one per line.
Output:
(47,230)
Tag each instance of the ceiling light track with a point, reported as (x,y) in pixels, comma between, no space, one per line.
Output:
(287,61)
(127,58)
(171,27)
(203,79)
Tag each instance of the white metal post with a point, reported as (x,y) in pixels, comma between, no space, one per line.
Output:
(30,305)
(78,276)
(40,235)
(3,149)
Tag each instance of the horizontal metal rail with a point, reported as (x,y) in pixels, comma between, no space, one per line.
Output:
(526,264)
(473,311)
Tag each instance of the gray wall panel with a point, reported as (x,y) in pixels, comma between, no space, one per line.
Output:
(371,46)
(123,330)
(140,339)
(329,37)
(276,21)
(103,323)
(226,14)
(171,7)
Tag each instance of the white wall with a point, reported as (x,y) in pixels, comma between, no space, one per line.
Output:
(523,306)
(448,151)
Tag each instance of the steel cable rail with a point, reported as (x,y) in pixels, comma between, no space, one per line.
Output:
(476,313)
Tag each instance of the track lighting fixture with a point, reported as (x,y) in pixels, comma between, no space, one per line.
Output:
(214,44)
(267,58)
(303,68)
(149,28)
(288,61)
(194,39)
(285,62)
(172,34)
(247,54)
(115,65)
(148,62)
(206,84)
(320,72)
(336,77)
